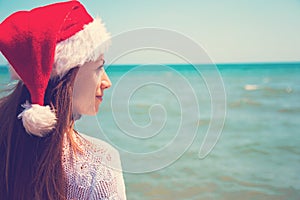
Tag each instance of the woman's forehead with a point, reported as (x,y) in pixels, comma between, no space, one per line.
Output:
(93,64)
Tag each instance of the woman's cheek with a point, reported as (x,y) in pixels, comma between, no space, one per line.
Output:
(84,94)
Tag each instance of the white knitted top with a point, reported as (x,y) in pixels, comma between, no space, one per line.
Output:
(94,174)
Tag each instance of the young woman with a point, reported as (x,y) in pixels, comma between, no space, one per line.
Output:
(56,51)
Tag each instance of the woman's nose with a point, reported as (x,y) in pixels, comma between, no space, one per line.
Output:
(105,81)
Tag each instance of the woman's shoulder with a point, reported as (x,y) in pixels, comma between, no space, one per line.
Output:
(95,171)
(96,143)
(99,151)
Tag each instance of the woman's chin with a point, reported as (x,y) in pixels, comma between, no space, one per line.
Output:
(96,108)
(93,110)
(97,104)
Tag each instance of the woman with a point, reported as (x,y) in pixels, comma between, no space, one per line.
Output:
(57,53)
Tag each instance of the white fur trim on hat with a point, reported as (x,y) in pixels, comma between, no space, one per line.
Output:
(86,45)
(38,120)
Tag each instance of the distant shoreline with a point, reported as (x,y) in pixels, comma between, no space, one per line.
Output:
(255,65)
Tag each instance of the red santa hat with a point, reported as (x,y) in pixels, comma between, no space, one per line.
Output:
(49,41)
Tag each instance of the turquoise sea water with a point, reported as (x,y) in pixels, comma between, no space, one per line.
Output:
(257,155)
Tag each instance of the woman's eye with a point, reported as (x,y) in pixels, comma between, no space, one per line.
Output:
(100,67)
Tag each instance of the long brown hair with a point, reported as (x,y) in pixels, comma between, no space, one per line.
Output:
(31,167)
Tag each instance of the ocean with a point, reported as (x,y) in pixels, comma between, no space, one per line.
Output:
(229,131)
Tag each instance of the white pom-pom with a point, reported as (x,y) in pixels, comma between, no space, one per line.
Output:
(37,120)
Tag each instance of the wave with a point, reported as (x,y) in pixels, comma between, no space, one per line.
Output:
(251,87)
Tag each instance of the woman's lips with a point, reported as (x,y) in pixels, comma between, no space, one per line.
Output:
(99,97)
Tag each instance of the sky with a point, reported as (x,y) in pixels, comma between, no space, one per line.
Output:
(230,31)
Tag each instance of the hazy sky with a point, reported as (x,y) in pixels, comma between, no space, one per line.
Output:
(228,30)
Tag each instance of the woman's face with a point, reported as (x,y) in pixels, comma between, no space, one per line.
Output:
(89,86)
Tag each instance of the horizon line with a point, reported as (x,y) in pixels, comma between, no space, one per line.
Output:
(219,63)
